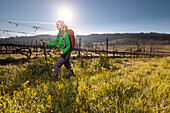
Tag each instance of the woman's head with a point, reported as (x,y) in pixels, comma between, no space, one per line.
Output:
(61,25)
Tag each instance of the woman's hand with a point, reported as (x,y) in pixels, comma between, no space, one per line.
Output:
(42,42)
(61,52)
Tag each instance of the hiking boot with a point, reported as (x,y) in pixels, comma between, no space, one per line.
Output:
(54,77)
(71,74)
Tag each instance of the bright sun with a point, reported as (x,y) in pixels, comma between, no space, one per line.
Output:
(65,15)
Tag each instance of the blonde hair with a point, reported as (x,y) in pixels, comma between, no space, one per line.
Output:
(64,26)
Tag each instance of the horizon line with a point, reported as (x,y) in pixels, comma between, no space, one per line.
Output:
(94,34)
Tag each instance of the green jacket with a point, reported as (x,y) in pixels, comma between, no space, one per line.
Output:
(59,40)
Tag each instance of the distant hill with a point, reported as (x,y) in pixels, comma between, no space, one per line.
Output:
(117,38)
(126,38)
(28,39)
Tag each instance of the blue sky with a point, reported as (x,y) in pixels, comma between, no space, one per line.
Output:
(87,16)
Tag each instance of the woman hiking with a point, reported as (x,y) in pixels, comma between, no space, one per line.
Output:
(64,50)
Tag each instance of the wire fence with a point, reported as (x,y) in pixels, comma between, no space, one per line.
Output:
(29,49)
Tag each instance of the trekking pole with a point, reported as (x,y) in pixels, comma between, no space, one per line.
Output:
(45,55)
(44,50)
(57,48)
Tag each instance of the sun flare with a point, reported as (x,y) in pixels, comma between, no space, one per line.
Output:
(65,15)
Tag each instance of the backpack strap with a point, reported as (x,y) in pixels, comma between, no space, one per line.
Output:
(58,37)
(64,39)
(58,40)
(61,36)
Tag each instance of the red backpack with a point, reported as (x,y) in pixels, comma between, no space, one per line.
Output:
(72,38)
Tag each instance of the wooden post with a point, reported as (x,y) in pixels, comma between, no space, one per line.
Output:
(113,50)
(36,45)
(1,47)
(130,52)
(107,45)
(95,48)
(137,50)
(150,52)
(31,43)
(79,46)
(50,42)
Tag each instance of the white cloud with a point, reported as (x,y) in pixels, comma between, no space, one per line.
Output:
(51,23)
(36,22)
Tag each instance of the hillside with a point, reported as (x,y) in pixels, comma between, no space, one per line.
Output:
(29,39)
(125,39)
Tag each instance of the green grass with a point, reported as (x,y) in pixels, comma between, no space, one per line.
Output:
(100,85)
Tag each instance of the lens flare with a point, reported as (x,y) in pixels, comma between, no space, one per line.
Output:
(65,15)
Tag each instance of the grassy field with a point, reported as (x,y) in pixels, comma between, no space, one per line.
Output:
(100,85)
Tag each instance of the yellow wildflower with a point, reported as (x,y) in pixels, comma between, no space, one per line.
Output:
(28,89)
(14,92)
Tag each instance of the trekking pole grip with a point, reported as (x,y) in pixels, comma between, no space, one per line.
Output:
(43,42)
